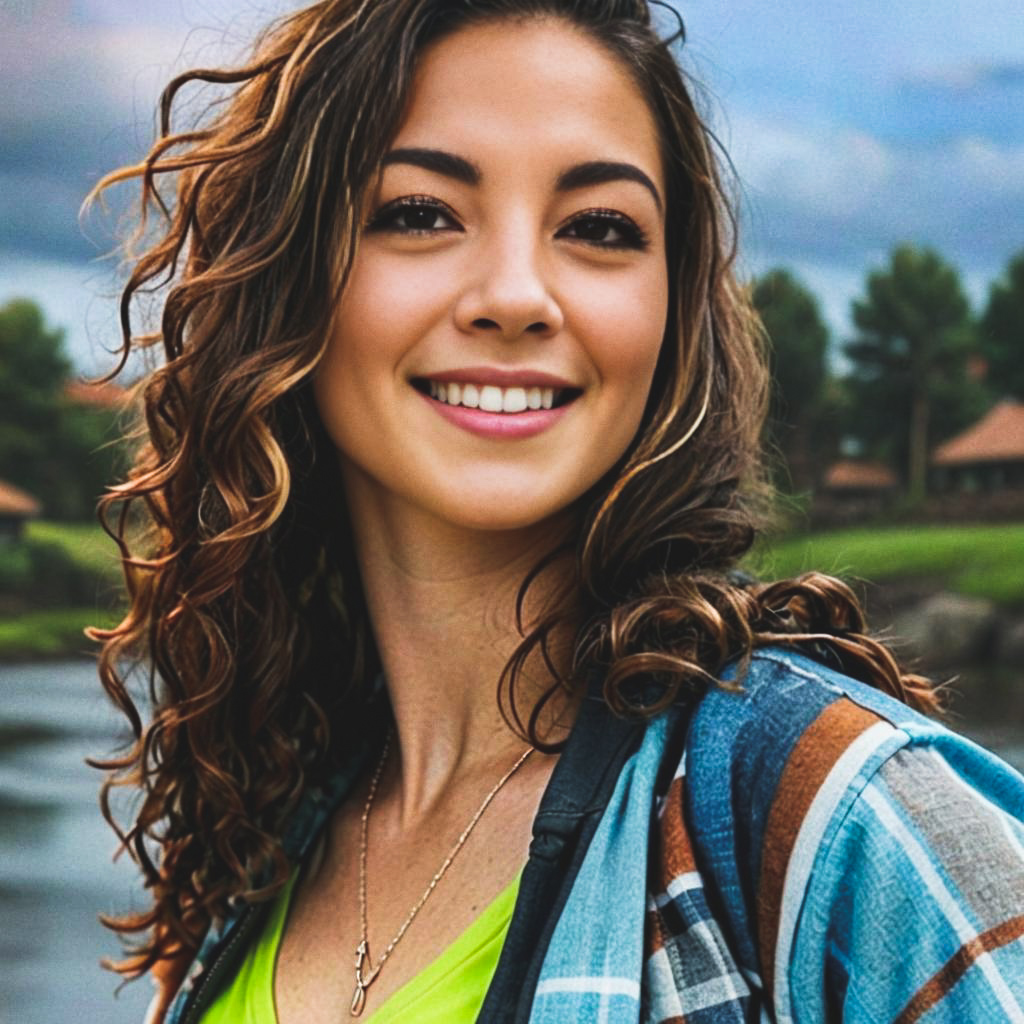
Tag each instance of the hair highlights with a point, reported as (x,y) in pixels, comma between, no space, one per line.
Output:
(246,605)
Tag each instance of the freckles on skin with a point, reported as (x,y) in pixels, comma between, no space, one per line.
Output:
(503,281)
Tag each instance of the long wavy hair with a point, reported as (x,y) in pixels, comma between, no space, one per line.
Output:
(246,606)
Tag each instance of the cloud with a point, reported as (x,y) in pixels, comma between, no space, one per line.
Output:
(844,195)
(80,93)
(969,79)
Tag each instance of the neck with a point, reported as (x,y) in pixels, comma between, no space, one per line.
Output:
(442,604)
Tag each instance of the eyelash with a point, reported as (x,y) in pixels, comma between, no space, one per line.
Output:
(632,236)
(385,219)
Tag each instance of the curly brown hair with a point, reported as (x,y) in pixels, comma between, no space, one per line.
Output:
(245,601)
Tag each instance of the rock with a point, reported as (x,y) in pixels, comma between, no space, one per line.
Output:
(1011,644)
(950,629)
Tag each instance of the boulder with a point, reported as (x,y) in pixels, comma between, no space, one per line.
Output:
(1011,644)
(950,629)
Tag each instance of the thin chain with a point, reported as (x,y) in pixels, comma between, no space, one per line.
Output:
(363,844)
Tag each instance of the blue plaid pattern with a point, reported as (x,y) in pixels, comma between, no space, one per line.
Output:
(886,882)
(820,853)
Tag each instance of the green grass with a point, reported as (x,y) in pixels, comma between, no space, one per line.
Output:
(49,634)
(56,632)
(86,543)
(982,561)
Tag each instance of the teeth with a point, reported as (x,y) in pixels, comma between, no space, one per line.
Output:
(490,398)
(513,400)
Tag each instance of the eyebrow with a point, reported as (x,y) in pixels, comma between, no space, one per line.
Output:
(438,161)
(597,172)
(593,172)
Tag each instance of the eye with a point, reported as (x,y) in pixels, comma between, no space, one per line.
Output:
(607,229)
(414,215)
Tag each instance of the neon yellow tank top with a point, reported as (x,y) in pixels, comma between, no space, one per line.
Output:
(450,990)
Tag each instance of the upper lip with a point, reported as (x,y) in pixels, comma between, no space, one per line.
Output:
(501,377)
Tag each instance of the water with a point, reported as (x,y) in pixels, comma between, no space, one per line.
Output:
(55,850)
(56,872)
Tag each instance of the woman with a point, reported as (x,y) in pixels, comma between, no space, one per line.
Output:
(459,390)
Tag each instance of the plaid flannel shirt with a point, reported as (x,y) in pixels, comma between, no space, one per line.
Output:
(820,852)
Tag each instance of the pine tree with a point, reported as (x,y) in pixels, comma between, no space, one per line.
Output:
(1002,331)
(798,352)
(909,387)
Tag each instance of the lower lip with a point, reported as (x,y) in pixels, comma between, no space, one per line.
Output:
(506,425)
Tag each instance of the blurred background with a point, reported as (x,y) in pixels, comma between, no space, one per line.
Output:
(879,149)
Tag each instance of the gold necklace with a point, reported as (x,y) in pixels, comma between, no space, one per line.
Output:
(365,978)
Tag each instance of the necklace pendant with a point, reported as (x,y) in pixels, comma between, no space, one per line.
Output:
(358,998)
(362,984)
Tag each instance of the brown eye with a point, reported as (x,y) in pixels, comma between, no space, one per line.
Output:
(593,229)
(418,218)
(605,229)
(414,216)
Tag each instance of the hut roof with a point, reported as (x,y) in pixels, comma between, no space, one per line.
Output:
(856,474)
(15,503)
(997,437)
(106,395)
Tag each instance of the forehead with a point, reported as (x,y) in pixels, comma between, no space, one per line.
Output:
(518,89)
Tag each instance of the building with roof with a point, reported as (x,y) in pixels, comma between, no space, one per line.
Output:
(16,508)
(105,395)
(987,457)
(853,491)
(859,478)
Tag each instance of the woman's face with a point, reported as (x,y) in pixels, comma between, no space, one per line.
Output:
(495,344)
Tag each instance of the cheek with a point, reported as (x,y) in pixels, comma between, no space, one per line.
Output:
(379,312)
(626,325)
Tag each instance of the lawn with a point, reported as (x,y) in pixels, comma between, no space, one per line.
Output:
(982,561)
(86,543)
(54,633)
(42,630)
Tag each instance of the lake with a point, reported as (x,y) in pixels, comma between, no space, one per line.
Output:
(55,850)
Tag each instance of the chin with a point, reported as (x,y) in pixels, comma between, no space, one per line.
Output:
(506,513)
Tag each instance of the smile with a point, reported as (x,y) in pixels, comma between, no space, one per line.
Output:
(498,410)
(490,398)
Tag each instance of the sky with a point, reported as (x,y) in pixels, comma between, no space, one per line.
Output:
(852,127)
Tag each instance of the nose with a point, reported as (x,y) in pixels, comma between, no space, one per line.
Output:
(508,292)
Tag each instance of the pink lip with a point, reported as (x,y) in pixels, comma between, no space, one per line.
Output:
(500,377)
(508,426)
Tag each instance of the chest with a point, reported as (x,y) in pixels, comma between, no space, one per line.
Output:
(422,891)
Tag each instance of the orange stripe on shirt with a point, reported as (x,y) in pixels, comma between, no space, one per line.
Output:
(816,752)
(935,989)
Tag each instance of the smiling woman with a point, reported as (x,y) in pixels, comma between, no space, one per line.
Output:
(460,710)
(498,273)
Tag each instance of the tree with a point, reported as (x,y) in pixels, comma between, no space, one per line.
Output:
(798,359)
(33,370)
(54,449)
(1002,330)
(909,387)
